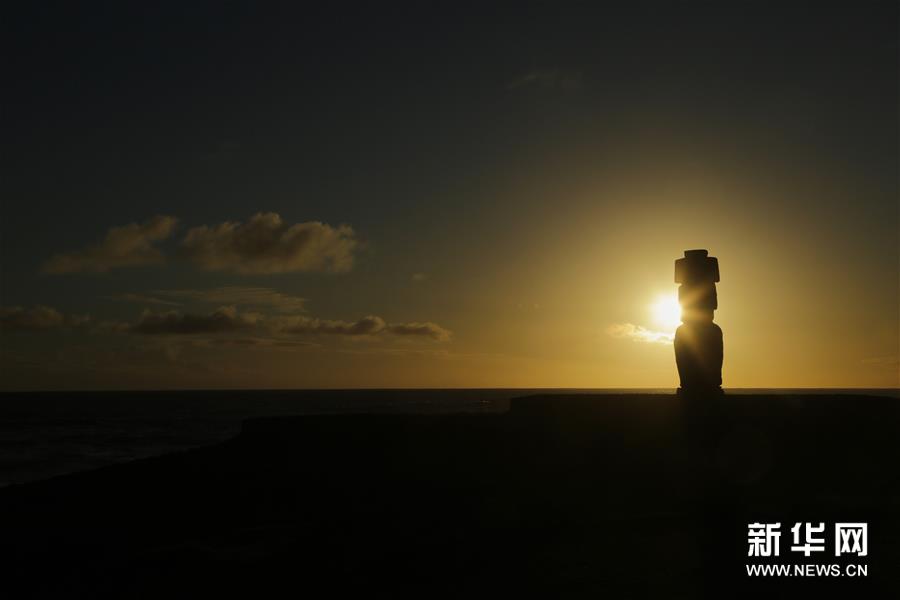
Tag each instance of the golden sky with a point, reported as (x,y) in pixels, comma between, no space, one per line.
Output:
(494,201)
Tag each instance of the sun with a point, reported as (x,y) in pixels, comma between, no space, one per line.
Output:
(667,312)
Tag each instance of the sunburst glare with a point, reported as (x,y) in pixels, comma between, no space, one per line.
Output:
(667,312)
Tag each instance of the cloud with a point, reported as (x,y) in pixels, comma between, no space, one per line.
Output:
(428,329)
(555,78)
(367,326)
(256,329)
(125,246)
(222,296)
(639,334)
(239,296)
(224,319)
(262,342)
(143,299)
(252,342)
(229,319)
(266,244)
(37,318)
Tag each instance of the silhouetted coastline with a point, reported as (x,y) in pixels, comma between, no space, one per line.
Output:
(573,495)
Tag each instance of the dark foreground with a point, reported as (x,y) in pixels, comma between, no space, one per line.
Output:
(564,496)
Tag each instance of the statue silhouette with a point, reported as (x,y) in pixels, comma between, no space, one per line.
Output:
(698,341)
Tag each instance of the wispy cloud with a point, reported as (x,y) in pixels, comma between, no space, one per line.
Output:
(267,244)
(368,326)
(428,330)
(233,296)
(126,246)
(257,327)
(143,299)
(173,322)
(37,318)
(253,342)
(638,333)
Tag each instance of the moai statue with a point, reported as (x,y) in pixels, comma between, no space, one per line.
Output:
(698,341)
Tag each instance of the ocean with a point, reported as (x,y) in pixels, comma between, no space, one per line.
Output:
(47,434)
